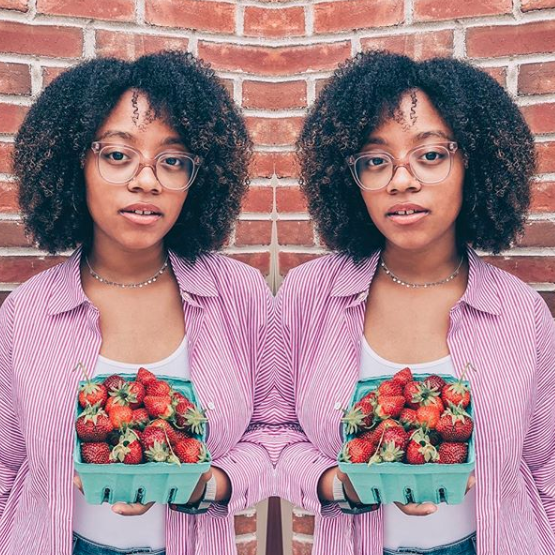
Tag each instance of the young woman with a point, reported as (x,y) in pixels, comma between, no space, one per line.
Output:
(408,166)
(141,166)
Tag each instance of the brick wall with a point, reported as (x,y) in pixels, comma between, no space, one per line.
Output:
(274,56)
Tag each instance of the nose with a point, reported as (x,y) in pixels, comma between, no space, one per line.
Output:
(403,180)
(145,180)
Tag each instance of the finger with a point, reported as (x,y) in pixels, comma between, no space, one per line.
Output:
(131,509)
(417,509)
(471,483)
(205,477)
(77,483)
(341,475)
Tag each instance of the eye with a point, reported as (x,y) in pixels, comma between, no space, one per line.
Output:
(432,156)
(115,156)
(374,161)
(172,161)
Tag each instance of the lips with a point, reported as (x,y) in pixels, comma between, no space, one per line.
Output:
(406,214)
(141,214)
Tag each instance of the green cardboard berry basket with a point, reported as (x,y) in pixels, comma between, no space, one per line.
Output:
(151,481)
(406,483)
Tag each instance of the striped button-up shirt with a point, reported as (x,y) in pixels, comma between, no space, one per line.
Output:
(47,325)
(500,325)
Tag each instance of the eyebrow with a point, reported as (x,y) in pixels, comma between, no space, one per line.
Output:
(128,137)
(419,137)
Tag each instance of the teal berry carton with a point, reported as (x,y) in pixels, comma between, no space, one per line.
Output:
(389,482)
(160,482)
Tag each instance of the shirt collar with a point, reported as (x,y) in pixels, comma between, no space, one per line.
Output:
(67,293)
(355,278)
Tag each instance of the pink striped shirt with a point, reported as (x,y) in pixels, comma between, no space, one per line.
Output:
(500,325)
(48,325)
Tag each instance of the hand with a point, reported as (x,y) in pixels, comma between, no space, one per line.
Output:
(223,487)
(425,509)
(124,509)
(350,492)
(325,487)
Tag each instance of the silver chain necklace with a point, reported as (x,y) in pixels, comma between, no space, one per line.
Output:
(128,285)
(398,280)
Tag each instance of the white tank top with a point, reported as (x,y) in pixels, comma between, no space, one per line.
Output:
(449,523)
(98,523)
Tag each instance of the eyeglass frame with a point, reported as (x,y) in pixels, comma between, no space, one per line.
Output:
(452,147)
(97,146)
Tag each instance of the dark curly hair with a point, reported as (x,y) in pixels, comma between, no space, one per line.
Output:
(51,145)
(495,141)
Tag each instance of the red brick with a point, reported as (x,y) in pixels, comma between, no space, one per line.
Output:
(537,78)
(538,234)
(274,96)
(290,199)
(50,73)
(130,46)
(289,260)
(40,40)
(286,60)
(253,233)
(509,40)
(274,131)
(283,22)
(303,524)
(228,84)
(191,14)
(6,153)
(549,298)
(12,234)
(543,196)
(532,269)
(540,117)
(258,199)
(295,233)
(19,5)
(498,73)
(245,524)
(113,10)
(11,116)
(419,46)
(264,164)
(17,269)
(546,157)
(260,260)
(357,14)
(15,78)
(529,5)
(8,197)
(301,548)
(246,548)
(431,10)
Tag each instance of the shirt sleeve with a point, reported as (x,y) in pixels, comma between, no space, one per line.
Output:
(300,464)
(539,446)
(12,446)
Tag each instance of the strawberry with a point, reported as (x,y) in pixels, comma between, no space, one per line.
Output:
(114,381)
(412,393)
(169,430)
(389,406)
(95,453)
(452,453)
(420,450)
(93,425)
(121,416)
(191,450)
(129,394)
(390,388)
(397,436)
(155,444)
(376,435)
(456,393)
(188,415)
(404,376)
(145,376)
(113,437)
(158,388)
(361,415)
(434,381)
(140,419)
(408,418)
(356,450)
(128,450)
(455,424)
(92,393)
(159,407)
(428,417)
(433,402)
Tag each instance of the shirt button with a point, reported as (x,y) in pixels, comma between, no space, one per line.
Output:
(362,296)
(337,405)
(211,405)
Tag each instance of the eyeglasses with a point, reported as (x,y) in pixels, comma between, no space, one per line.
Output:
(119,164)
(429,164)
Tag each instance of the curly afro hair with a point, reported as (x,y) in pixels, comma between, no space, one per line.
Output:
(51,145)
(496,143)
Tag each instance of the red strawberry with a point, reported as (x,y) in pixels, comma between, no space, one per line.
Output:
(376,435)
(93,425)
(145,376)
(434,381)
(408,418)
(420,450)
(158,388)
(128,450)
(92,393)
(159,407)
(433,402)
(188,415)
(114,381)
(170,431)
(428,417)
(357,450)
(389,388)
(140,418)
(456,393)
(455,425)
(155,443)
(191,450)
(121,416)
(389,406)
(404,376)
(129,393)
(452,453)
(394,443)
(113,437)
(361,415)
(412,393)
(95,453)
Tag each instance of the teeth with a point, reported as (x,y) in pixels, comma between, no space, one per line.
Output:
(143,212)
(406,212)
